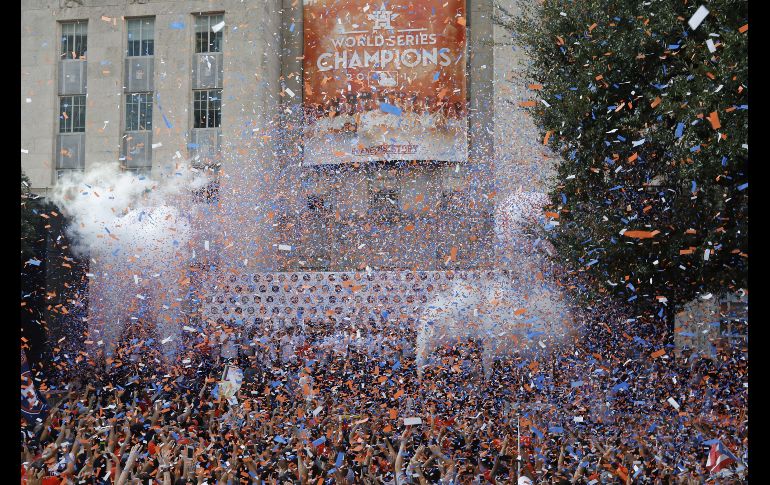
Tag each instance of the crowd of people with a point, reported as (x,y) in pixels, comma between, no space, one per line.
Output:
(331,402)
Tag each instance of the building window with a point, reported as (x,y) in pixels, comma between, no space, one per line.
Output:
(206,40)
(385,204)
(140,172)
(208,108)
(64,172)
(139,112)
(74,39)
(141,37)
(316,203)
(72,114)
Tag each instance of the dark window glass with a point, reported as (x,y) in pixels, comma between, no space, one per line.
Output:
(141,37)
(139,112)
(74,39)
(72,114)
(207,108)
(206,40)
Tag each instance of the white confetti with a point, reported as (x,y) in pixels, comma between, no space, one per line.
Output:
(698,17)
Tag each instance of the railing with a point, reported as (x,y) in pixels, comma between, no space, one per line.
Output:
(316,295)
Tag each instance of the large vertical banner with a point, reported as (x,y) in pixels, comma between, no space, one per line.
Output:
(384,81)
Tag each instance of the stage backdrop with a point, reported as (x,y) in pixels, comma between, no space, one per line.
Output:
(384,81)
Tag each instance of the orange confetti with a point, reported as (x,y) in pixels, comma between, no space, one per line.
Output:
(547,136)
(714,120)
(641,234)
(744,28)
(655,102)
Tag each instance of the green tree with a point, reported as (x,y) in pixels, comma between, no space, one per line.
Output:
(651,190)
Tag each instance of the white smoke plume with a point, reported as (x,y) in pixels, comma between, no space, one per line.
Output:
(114,209)
(136,231)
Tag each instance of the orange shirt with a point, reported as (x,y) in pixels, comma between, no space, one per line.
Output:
(622,472)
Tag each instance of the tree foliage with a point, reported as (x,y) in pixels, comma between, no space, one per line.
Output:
(651,194)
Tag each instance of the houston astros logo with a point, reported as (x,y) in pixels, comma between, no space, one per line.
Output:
(382,18)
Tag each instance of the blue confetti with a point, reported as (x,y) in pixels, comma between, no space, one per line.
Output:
(620,387)
(389,108)
(319,441)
